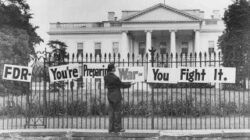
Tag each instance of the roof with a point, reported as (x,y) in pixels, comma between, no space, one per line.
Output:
(160,5)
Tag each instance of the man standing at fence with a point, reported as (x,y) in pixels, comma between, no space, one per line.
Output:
(114,85)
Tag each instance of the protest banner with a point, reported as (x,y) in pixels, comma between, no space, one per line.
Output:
(191,75)
(64,72)
(93,70)
(17,73)
(162,75)
(207,74)
(130,74)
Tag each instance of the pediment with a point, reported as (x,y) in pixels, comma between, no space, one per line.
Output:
(161,13)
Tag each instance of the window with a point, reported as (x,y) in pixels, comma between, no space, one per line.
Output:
(115,47)
(98,48)
(163,48)
(80,48)
(210,46)
(184,48)
(142,46)
(211,22)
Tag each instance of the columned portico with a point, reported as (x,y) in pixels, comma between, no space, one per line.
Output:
(165,41)
(125,45)
(197,41)
(172,42)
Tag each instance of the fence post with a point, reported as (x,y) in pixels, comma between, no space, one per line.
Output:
(152,52)
(45,89)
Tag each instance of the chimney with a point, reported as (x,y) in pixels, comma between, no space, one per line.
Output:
(111,16)
(216,14)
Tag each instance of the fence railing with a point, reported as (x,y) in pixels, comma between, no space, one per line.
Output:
(83,104)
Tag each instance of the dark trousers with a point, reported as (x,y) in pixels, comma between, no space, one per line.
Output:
(115,120)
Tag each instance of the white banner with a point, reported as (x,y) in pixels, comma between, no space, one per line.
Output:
(192,75)
(93,70)
(195,75)
(130,74)
(17,73)
(207,74)
(162,75)
(64,72)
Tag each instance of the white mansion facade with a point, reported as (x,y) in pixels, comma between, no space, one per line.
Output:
(165,28)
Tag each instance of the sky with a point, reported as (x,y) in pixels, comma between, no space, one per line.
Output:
(50,11)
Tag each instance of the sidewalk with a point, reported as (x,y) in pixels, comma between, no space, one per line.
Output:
(101,134)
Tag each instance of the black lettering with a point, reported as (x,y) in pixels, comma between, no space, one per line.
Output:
(187,74)
(85,69)
(75,72)
(64,74)
(203,74)
(16,73)
(155,73)
(58,74)
(191,76)
(183,73)
(96,71)
(90,73)
(24,73)
(54,73)
(197,75)
(159,76)
(70,72)
(166,76)
(7,71)
(220,74)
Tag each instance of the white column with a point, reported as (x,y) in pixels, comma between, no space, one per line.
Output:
(124,46)
(173,42)
(197,41)
(148,41)
(247,82)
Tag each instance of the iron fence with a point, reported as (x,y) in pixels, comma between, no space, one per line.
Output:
(83,103)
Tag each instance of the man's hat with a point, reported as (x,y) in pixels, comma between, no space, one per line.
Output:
(111,66)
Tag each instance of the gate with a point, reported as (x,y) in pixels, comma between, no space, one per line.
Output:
(82,103)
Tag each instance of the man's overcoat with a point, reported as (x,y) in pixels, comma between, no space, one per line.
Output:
(114,84)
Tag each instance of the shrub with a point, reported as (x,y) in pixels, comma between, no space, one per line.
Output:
(175,108)
(98,107)
(77,108)
(181,85)
(12,110)
(235,87)
(139,109)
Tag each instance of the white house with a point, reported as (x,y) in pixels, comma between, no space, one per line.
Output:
(165,28)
